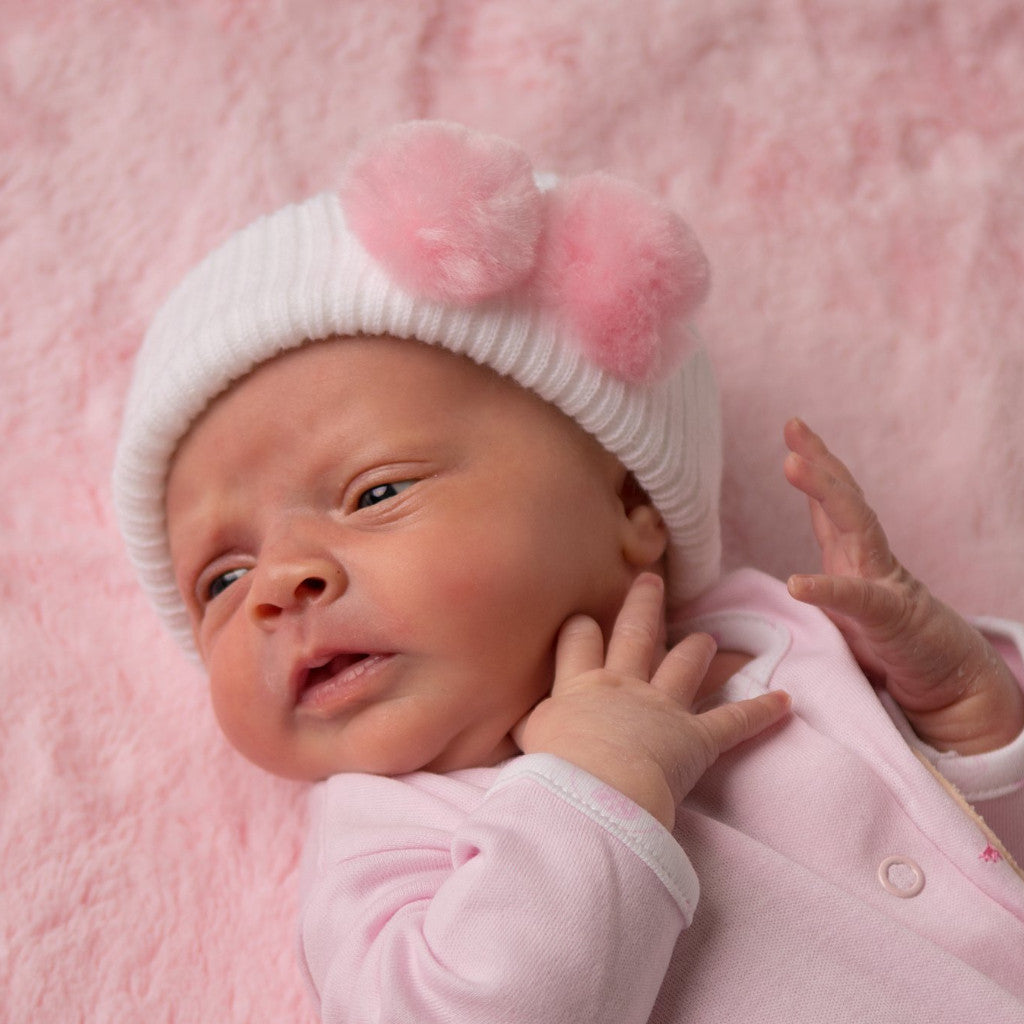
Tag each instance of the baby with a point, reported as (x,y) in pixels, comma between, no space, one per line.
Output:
(458,561)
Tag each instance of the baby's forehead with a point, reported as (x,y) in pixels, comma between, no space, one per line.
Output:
(383,378)
(307,421)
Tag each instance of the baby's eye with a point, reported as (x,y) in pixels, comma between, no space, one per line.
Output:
(222,581)
(382,492)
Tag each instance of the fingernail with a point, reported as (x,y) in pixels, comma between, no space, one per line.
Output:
(800,586)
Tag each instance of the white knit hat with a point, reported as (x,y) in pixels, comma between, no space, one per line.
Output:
(579,290)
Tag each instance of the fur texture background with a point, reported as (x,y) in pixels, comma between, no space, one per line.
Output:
(855,171)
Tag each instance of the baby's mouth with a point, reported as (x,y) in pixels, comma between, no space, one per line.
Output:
(329,683)
(317,674)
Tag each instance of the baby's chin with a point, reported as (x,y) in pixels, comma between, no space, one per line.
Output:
(453,761)
(450,760)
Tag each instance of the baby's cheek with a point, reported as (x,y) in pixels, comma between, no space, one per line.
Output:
(484,566)
(236,695)
(463,586)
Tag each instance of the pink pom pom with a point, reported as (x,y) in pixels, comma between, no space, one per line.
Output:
(622,270)
(452,215)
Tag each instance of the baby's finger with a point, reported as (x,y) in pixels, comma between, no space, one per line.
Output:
(809,446)
(730,724)
(870,604)
(580,647)
(637,628)
(840,509)
(684,667)
(843,501)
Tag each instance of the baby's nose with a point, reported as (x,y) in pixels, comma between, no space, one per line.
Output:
(292,584)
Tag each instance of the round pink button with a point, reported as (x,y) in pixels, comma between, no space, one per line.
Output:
(901,876)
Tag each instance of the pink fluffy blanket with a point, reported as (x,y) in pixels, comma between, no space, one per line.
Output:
(855,170)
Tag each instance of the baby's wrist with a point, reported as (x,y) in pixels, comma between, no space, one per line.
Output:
(989,715)
(646,786)
(637,778)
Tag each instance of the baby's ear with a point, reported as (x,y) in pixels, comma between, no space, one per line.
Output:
(644,535)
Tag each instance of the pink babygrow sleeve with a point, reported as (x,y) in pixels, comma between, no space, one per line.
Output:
(530,899)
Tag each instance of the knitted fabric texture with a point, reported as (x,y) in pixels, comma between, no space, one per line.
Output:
(580,291)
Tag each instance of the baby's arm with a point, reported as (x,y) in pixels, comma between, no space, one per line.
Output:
(955,690)
(424,907)
(626,720)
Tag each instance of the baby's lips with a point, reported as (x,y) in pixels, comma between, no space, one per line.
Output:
(317,667)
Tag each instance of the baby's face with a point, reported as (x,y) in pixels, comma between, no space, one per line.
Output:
(377,542)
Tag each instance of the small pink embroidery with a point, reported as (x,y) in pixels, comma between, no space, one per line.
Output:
(612,802)
(990,854)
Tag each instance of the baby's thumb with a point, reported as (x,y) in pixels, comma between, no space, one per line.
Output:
(518,732)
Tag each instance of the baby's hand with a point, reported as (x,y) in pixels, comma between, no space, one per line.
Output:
(956,691)
(634,730)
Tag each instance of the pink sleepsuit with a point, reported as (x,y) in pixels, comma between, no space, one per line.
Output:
(839,878)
